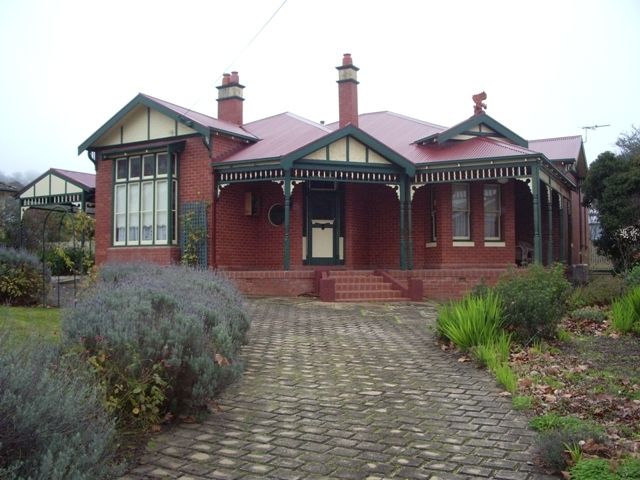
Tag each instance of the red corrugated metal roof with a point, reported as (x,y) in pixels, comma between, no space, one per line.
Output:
(279,135)
(86,179)
(560,148)
(201,118)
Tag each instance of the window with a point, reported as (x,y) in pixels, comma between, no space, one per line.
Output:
(492,212)
(434,224)
(144,204)
(460,209)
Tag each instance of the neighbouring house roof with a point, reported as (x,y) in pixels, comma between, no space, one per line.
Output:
(5,187)
(86,180)
(81,180)
(199,122)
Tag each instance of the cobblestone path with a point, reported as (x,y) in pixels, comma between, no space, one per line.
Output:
(349,392)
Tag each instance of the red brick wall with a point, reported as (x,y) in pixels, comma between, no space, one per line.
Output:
(445,254)
(252,242)
(104,208)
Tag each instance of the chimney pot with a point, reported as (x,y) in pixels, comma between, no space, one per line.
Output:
(346,59)
(225,78)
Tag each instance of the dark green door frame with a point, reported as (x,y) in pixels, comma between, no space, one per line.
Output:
(311,197)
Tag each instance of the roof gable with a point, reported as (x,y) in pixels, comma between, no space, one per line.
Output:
(147,118)
(481,125)
(337,146)
(58,182)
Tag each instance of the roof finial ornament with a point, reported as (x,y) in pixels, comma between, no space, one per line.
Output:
(479,106)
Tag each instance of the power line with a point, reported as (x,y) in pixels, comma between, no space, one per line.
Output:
(245,48)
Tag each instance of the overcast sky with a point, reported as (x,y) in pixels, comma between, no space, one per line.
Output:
(548,67)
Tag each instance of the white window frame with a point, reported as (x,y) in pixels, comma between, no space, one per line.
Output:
(497,212)
(122,215)
(466,210)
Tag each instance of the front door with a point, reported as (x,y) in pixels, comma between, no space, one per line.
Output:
(323,208)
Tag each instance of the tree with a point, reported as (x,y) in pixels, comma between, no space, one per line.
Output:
(612,187)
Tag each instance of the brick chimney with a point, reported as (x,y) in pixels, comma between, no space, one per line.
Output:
(230,99)
(348,92)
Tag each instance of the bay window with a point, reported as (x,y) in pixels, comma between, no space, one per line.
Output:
(145,200)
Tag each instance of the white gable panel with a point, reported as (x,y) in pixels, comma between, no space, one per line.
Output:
(135,126)
(160,125)
(338,150)
(71,188)
(377,158)
(58,185)
(318,154)
(357,151)
(41,188)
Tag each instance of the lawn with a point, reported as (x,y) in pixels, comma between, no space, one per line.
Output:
(22,323)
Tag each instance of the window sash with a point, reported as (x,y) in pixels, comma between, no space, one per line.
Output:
(492,212)
(434,224)
(143,203)
(460,211)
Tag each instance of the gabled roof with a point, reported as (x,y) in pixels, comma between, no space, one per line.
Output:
(85,181)
(81,179)
(200,122)
(361,136)
(466,127)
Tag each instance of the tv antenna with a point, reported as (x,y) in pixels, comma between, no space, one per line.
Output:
(592,127)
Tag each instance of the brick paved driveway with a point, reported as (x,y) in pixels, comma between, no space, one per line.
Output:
(349,391)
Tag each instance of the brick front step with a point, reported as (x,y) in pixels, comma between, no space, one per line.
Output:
(363,286)
(360,286)
(370,296)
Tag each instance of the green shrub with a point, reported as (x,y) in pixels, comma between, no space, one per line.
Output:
(20,277)
(159,338)
(69,260)
(592,469)
(52,423)
(602,290)
(471,321)
(626,312)
(633,277)
(534,301)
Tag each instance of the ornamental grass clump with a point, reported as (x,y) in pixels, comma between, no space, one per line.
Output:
(626,312)
(472,321)
(20,277)
(159,339)
(52,423)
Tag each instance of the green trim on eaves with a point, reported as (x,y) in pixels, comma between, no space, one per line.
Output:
(363,137)
(474,121)
(141,99)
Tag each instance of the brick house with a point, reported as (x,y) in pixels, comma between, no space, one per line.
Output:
(376,205)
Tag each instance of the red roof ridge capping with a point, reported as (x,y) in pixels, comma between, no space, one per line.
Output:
(292,115)
(399,115)
(86,179)
(552,139)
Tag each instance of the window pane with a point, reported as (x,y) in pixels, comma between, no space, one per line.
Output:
(120,227)
(134,165)
(491,198)
(459,200)
(119,207)
(121,169)
(162,198)
(163,163)
(147,211)
(134,212)
(148,165)
(492,226)
(121,199)
(460,225)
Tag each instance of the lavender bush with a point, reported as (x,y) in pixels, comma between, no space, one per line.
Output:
(20,277)
(52,423)
(159,338)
